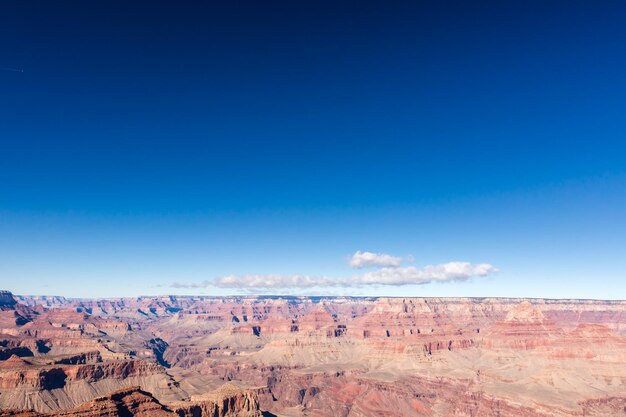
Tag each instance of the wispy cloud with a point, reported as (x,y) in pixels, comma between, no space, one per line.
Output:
(364,259)
(411,275)
(261,281)
(201,284)
(273,281)
(388,276)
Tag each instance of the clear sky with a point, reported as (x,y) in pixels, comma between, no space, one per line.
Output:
(158,148)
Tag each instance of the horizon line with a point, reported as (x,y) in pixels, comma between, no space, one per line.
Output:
(317,296)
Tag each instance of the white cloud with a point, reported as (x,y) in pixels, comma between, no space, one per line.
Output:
(392,276)
(203,284)
(363,259)
(272,281)
(451,271)
(260,281)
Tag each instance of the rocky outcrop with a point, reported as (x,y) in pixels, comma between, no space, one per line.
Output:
(7,352)
(12,313)
(229,401)
(25,374)
(7,301)
(123,403)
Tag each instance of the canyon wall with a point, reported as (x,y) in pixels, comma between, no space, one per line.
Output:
(312,356)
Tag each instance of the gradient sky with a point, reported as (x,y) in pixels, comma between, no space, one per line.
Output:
(149,144)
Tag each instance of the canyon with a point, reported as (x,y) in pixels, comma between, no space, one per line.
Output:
(249,356)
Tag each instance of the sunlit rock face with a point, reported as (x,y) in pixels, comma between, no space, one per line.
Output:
(228,401)
(323,356)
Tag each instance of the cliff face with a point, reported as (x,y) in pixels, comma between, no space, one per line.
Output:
(323,357)
(227,401)
(132,401)
(128,402)
(7,301)
(26,375)
(13,314)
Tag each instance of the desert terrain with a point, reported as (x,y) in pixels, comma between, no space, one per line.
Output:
(311,356)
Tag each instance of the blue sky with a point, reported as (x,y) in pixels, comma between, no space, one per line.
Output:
(177,143)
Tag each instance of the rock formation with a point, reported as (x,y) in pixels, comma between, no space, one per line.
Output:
(322,356)
(228,401)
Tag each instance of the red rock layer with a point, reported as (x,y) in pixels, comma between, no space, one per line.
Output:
(133,402)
